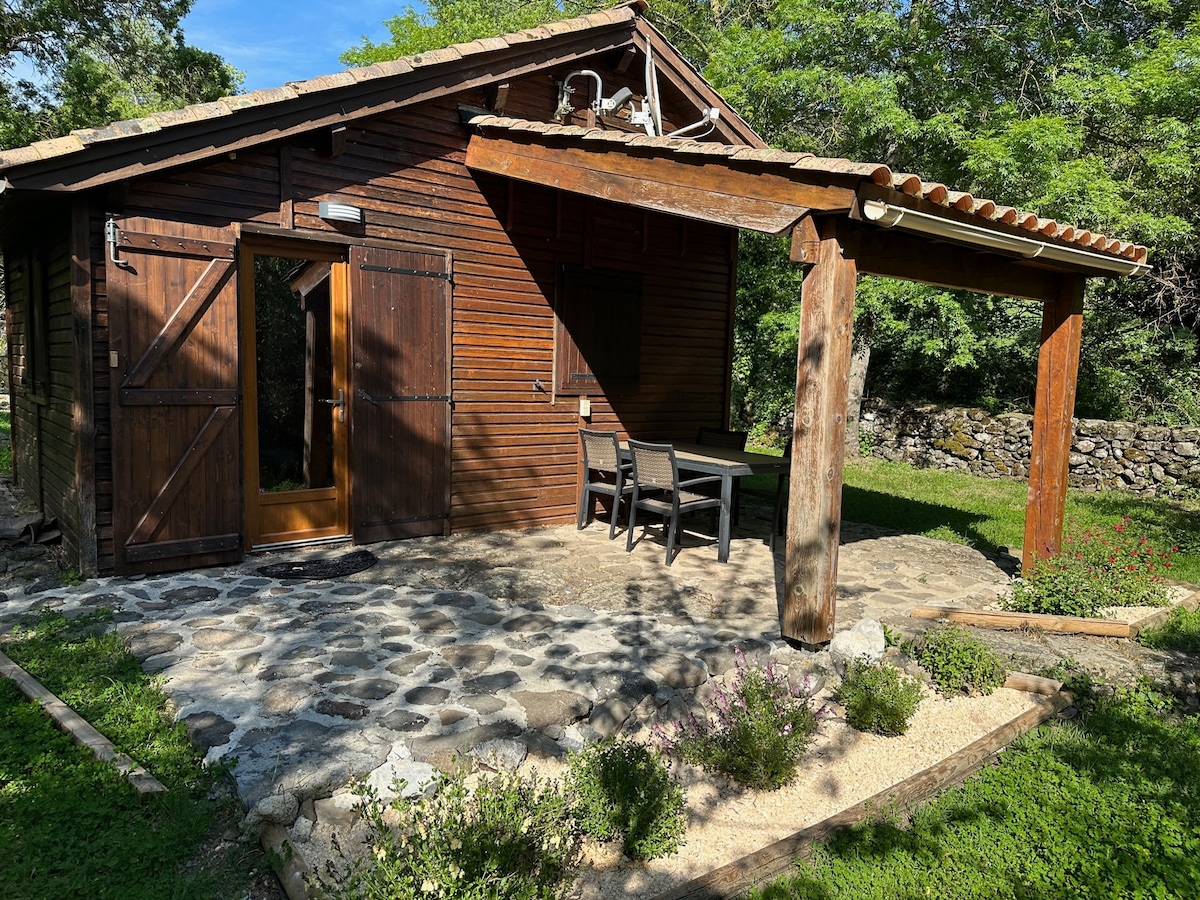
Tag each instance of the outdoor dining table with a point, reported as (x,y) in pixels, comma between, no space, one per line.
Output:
(729,464)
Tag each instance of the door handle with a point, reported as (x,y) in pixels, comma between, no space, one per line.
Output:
(340,403)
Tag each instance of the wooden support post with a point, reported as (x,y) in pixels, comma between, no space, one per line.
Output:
(818,452)
(1054,403)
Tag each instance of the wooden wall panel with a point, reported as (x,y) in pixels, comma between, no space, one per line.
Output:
(513,444)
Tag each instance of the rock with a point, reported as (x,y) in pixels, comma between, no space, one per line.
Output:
(864,641)
(608,717)
(276,809)
(676,670)
(501,755)
(544,708)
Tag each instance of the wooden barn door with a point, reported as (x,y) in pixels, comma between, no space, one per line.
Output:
(400,393)
(173,359)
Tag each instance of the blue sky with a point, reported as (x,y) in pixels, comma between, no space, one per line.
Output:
(277,41)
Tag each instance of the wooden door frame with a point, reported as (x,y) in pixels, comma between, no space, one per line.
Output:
(292,247)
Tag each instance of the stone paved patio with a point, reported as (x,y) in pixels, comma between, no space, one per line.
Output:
(493,647)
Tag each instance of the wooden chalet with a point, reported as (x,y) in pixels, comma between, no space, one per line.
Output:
(377,304)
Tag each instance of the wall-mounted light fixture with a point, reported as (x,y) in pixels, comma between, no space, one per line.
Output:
(339,212)
(890,216)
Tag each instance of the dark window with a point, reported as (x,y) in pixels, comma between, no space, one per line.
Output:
(598,332)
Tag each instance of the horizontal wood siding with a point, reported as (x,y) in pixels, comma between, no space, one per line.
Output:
(43,436)
(513,446)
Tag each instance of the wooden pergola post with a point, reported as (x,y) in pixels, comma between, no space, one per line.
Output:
(1054,404)
(818,452)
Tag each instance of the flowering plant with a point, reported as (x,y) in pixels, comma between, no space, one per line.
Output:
(1096,567)
(755,733)
(510,837)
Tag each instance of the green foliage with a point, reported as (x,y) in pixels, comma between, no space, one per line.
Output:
(1100,808)
(99,61)
(6,430)
(957,661)
(71,826)
(622,789)
(878,697)
(1096,568)
(1180,632)
(755,733)
(510,837)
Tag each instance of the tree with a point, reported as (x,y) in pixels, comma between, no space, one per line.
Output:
(98,61)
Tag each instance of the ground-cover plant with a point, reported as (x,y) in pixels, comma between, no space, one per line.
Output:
(989,513)
(755,733)
(1097,567)
(957,661)
(1105,806)
(70,826)
(507,838)
(623,789)
(878,697)
(1180,631)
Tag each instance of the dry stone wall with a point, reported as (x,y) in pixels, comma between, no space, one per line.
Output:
(1104,455)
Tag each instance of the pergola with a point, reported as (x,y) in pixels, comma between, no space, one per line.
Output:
(845,219)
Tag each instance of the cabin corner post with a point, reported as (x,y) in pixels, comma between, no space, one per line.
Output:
(1054,404)
(823,358)
(83,219)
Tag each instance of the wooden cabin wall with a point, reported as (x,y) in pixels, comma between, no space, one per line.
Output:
(514,448)
(44,441)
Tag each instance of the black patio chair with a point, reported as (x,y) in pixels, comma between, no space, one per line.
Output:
(603,473)
(657,489)
(730,440)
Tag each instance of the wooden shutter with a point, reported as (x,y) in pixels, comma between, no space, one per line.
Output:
(598,332)
(173,361)
(399,393)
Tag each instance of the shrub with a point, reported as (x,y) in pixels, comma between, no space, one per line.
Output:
(878,697)
(755,734)
(621,789)
(957,661)
(1095,568)
(510,838)
(1181,631)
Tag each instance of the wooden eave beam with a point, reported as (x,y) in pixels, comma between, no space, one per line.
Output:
(897,254)
(697,187)
(181,145)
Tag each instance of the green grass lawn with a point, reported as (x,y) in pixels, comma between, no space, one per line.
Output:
(70,826)
(989,514)
(1107,806)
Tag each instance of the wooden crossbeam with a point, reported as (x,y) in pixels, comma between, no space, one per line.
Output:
(696,187)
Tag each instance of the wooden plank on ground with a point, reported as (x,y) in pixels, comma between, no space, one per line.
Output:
(80,730)
(1003,619)
(773,860)
(1190,603)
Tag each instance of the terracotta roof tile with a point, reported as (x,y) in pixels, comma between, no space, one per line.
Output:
(901,182)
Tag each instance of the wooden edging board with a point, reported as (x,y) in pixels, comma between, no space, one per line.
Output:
(80,730)
(773,860)
(1004,619)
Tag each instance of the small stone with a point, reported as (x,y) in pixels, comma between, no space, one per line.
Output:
(608,716)
(864,641)
(342,709)
(426,695)
(501,755)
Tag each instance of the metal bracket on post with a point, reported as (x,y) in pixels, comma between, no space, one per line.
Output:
(110,236)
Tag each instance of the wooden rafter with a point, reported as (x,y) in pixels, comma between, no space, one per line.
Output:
(694,187)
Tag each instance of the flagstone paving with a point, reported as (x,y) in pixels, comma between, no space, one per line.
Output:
(490,647)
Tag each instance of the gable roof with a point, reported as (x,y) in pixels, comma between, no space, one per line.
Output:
(91,157)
